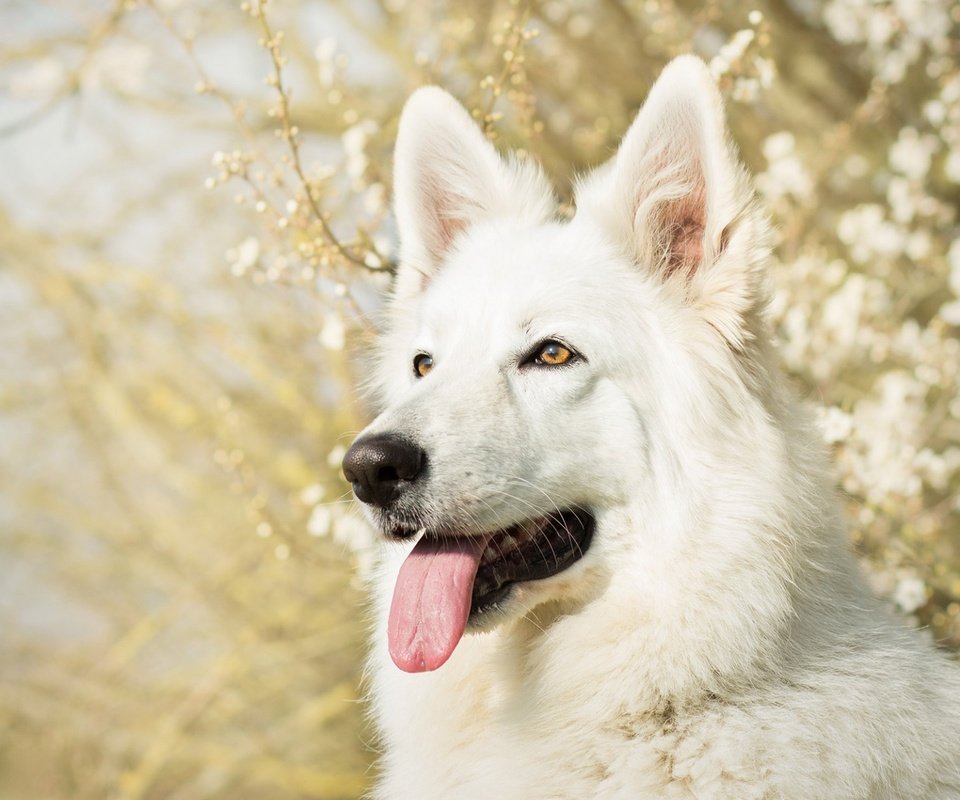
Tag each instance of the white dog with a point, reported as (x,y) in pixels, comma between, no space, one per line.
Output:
(620,569)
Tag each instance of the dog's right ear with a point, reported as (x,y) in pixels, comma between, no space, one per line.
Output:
(448,176)
(677,200)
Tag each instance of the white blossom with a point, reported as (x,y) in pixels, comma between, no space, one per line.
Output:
(41,79)
(333,332)
(375,199)
(731,52)
(786,173)
(953,261)
(244,255)
(325,52)
(321,521)
(746,90)
(911,153)
(118,65)
(951,166)
(936,468)
(950,312)
(910,594)
(354,141)
(335,456)
(868,233)
(312,494)
(835,424)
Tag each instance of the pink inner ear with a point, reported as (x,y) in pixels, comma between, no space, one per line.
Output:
(672,186)
(444,220)
(684,221)
(442,223)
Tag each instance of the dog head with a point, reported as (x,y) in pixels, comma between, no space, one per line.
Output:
(560,396)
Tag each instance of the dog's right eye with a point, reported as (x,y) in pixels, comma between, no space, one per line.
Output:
(422,364)
(553,354)
(550,353)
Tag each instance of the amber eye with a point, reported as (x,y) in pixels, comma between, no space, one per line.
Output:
(553,354)
(422,364)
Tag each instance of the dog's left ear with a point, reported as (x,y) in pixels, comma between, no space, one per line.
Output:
(448,177)
(678,200)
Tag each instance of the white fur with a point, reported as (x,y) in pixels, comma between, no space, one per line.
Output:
(716,641)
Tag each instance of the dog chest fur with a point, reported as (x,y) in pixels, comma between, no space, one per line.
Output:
(521,717)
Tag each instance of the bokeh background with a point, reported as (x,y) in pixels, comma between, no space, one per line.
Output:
(194,237)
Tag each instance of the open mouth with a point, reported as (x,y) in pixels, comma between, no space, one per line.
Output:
(530,551)
(446,581)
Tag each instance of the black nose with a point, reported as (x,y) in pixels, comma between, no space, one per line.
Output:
(381,467)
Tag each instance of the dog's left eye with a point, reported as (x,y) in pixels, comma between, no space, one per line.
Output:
(552,354)
(422,364)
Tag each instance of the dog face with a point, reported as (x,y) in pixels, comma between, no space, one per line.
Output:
(535,371)
(517,363)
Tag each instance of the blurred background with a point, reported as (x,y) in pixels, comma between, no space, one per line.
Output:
(194,240)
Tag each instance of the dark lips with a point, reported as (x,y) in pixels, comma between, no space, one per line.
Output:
(530,551)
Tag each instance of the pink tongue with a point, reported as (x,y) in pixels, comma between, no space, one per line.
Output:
(431,601)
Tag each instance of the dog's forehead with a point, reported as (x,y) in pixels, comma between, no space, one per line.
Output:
(517,273)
